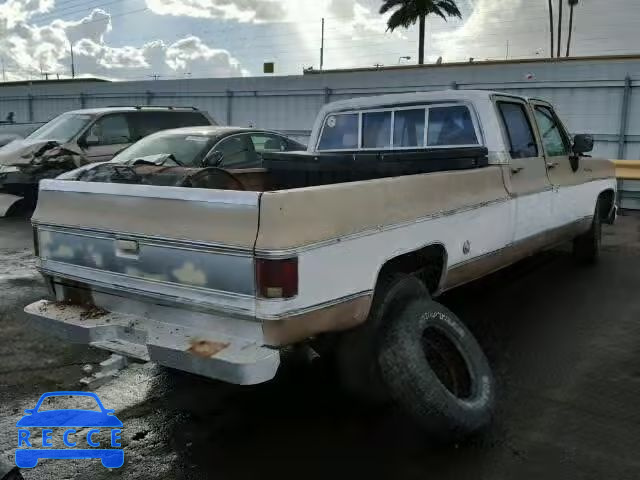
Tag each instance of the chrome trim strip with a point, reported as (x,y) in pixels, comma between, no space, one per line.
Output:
(146,239)
(145,286)
(317,306)
(219,197)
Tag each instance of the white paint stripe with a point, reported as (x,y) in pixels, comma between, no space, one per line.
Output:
(221,197)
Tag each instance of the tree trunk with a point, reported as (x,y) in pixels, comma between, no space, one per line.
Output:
(560,4)
(570,30)
(421,40)
(551,24)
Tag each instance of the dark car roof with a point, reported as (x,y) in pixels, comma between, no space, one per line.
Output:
(215,131)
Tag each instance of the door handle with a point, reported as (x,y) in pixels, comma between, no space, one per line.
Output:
(515,170)
(551,165)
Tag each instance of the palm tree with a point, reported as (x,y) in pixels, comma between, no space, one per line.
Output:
(409,12)
(572,4)
(560,4)
(551,24)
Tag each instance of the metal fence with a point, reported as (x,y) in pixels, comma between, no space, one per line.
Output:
(592,95)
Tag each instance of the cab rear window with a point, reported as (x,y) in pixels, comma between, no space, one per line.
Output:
(401,128)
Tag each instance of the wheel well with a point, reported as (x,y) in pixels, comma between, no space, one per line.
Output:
(428,263)
(607,199)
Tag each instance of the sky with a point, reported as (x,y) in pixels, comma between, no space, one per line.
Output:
(168,39)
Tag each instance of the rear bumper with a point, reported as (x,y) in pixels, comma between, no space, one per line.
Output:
(198,345)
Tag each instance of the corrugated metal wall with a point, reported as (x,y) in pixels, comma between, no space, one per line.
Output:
(588,94)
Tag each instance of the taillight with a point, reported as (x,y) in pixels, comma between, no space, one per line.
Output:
(277,278)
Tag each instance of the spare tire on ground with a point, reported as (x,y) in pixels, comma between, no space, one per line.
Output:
(436,371)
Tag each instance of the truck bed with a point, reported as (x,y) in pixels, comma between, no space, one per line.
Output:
(305,169)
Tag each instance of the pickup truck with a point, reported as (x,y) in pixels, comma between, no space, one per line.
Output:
(343,247)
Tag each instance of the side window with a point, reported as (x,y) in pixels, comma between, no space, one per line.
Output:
(516,122)
(189,119)
(150,122)
(553,138)
(408,128)
(110,130)
(237,152)
(340,132)
(376,130)
(450,126)
(263,142)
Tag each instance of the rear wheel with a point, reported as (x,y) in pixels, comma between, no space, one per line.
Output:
(357,349)
(436,371)
(586,247)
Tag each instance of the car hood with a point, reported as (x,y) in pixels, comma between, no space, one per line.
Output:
(69,418)
(21,152)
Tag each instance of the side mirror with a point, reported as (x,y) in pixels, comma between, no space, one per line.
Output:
(214,160)
(582,143)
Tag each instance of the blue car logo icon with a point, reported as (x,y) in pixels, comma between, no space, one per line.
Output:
(28,452)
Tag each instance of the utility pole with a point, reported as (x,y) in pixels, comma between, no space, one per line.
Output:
(73,63)
(560,3)
(322,47)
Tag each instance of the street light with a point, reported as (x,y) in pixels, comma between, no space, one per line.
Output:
(407,57)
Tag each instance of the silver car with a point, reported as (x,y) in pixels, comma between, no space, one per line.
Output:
(79,137)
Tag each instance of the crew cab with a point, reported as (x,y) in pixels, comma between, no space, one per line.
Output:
(345,246)
(79,137)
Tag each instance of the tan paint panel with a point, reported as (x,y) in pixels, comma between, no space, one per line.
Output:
(232,225)
(596,168)
(294,218)
(335,318)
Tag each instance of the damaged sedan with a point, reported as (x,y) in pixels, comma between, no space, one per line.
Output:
(77,138)
(201,157)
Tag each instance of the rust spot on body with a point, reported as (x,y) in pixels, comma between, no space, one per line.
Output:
(206,348)
(92,312)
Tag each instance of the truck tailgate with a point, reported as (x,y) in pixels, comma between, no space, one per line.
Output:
(183,244)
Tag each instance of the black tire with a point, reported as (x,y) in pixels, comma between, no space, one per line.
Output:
(586,247)
(8,471)
(356,354)
(435,370)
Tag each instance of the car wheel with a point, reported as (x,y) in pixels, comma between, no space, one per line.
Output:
(436,371)
(9,471)
(356,349)
(586,247)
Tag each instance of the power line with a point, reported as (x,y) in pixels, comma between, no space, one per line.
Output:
(72,10)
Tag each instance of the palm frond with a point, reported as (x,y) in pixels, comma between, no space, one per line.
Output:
(389,4)
(401,18)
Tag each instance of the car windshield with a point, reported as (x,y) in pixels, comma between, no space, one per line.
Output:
(62,128)
(187,149)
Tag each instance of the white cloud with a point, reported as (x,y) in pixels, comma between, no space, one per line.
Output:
(27,49)
(240,10)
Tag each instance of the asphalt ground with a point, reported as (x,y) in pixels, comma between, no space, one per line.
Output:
(563,340)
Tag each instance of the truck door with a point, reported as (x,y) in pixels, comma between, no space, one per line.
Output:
(557,151)
(526,176)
